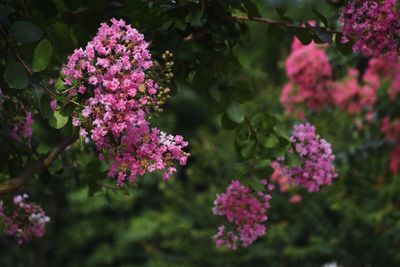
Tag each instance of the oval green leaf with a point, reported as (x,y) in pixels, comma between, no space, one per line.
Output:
(58,121)
(15,75)
(42,55)
(25,32)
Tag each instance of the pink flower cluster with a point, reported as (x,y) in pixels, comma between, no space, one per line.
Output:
(19,121)
(309,72)
(280,177)
(316,156)
(391,130)
(22,130)
(374,25)
(245,212)
(27,220)
(380,70)
(110,75)
(351,96)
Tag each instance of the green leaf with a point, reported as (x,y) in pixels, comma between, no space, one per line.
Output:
(321,17)
(275,33)
(293,160)
(254,183)
(61,30)
(243,133)
(263,123)
(304,36)
(214,92)
(252,9)
(270,142)
(264,172)
(58,121)
(44,106)
(59,84)
(344,48)
(42,55)
(6,10)
(234,112)
(194,18)
(249,149)
(25,32)
(15,75)
(320,36)
(281,11)
(227,123)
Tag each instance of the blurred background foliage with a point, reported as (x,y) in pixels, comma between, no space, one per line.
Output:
(354,222)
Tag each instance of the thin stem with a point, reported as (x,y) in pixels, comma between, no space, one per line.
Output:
(17,182)
(16,53)
(252,130)
(278,23)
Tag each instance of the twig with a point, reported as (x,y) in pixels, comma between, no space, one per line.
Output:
(278,23)
(252,130)
(9,42)
(17,182)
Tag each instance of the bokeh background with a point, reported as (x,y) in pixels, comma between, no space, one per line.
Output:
(354,222)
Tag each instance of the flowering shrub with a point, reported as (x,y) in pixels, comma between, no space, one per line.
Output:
(374,26)
(28,219)
(110,77)
(245,212)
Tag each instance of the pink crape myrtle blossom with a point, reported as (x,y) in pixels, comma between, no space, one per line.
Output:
(26,221)
(380,70)
(352,97)
(246,213)
(22,130)
(374,25)
(316,157)
(309,72)
(280,177)
(111,73)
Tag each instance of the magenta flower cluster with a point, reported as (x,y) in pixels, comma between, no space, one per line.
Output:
(351,96)
(19,121)
(374,25)
(28,219)
(111,74)
(245,212)
(316,157)
(309,72)
(22,130)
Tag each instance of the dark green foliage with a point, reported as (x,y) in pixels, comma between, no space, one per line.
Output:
(228,78)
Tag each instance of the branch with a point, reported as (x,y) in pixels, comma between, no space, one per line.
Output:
(9,42)
(17,182)
(278,23)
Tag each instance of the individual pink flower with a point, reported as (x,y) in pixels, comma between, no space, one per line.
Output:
(295,199)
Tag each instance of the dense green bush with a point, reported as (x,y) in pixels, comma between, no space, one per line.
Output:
(227,71)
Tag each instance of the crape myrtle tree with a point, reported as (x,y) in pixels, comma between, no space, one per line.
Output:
(86,96)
